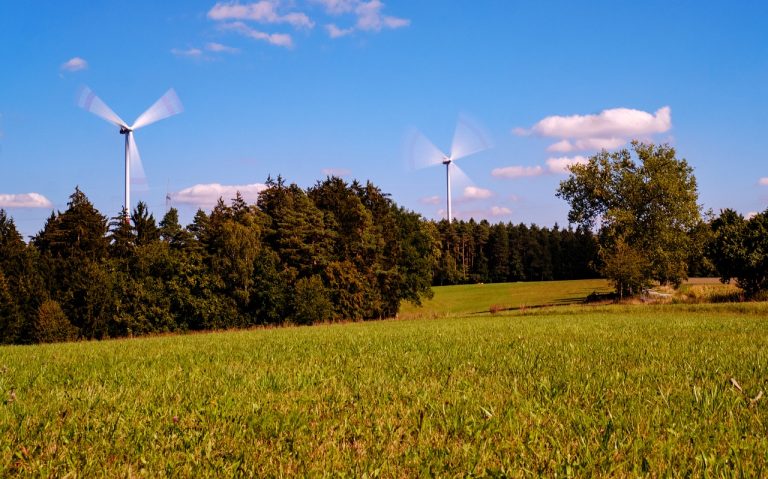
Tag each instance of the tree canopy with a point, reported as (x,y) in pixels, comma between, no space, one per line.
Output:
(644,204)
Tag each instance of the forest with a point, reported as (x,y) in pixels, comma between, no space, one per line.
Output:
(336,251)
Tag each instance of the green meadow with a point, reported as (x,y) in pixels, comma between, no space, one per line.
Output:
(448,390)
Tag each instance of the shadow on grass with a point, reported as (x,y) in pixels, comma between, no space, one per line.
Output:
(591,297)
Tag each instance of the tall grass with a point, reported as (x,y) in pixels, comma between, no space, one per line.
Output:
(588,391)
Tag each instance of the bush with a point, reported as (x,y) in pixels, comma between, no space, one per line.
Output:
(51,324)
(311,301)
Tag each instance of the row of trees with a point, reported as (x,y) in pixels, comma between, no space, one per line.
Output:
(479,252)
(339,251)
(334,251)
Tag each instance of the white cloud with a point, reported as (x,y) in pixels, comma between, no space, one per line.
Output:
(189,52)
(336,32)
(264,11)
(337,7)
(25,200)
(517,171)
(763,181)
(561,165)
(475,193)
(219,48)
(616,122)
(340,172)
(431,200)
(566,146)
(369,16)
(750,215)
(492,212)
(500,211)
(74,64)
(279,39)
(208,194)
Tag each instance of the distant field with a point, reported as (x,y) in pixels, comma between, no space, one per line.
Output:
(574,390)
(478,298)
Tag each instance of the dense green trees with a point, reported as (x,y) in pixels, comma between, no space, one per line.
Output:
(478,252)
(333,252)
(739,250)
(644,202)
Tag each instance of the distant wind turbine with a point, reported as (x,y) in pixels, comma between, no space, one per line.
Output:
(468,139)
(168,105)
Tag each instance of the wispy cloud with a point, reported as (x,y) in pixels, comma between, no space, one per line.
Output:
(278,39)
(264,11)
(220,48)
(208,52)
(369,16)
(555,166)
(25,200)
(74,64)
(763,181)
(517,171)
(500,211)
(340,172)
(206,195)
(566,146)
(492,212)
(431,200)
(562,165)
(188,52)
(475,193)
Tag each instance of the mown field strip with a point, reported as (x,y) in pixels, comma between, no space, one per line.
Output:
(573,390)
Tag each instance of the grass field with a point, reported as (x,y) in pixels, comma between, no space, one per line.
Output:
(473,299)
(573,390)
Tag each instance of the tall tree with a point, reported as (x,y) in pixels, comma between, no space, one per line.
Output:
(645,198)
(739,250)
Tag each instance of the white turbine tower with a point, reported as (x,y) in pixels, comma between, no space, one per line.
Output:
(468,139)
(168,105)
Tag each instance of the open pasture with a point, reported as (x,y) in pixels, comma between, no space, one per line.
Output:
(574,390)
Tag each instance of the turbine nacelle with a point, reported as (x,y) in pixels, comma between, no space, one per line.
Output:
(124,130)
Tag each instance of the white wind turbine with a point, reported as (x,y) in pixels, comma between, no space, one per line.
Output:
(468,139)
(168,105)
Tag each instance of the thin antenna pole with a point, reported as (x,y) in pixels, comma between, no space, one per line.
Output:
(127,177)
(448,188)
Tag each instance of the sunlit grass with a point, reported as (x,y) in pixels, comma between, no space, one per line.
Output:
(609,390)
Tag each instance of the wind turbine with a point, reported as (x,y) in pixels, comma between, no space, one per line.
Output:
(168,105)
(468,139)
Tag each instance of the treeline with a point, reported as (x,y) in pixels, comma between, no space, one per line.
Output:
(335,251)
(480,252)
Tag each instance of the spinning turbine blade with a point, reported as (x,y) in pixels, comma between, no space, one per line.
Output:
(137,170)
(468,139)
(459,179)
(421,152)
(168,105)
(88,100)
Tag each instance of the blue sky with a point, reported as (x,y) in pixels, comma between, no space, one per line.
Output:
(306,87)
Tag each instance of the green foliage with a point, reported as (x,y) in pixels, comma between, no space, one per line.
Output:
(740,250)
(51,324)
(627,268)
(311,302)
(647,201)
(471,252)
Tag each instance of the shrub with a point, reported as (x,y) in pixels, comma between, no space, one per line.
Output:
(311,301)
(51,324)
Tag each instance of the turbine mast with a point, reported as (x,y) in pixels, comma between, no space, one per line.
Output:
(127,204)
(447,163)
